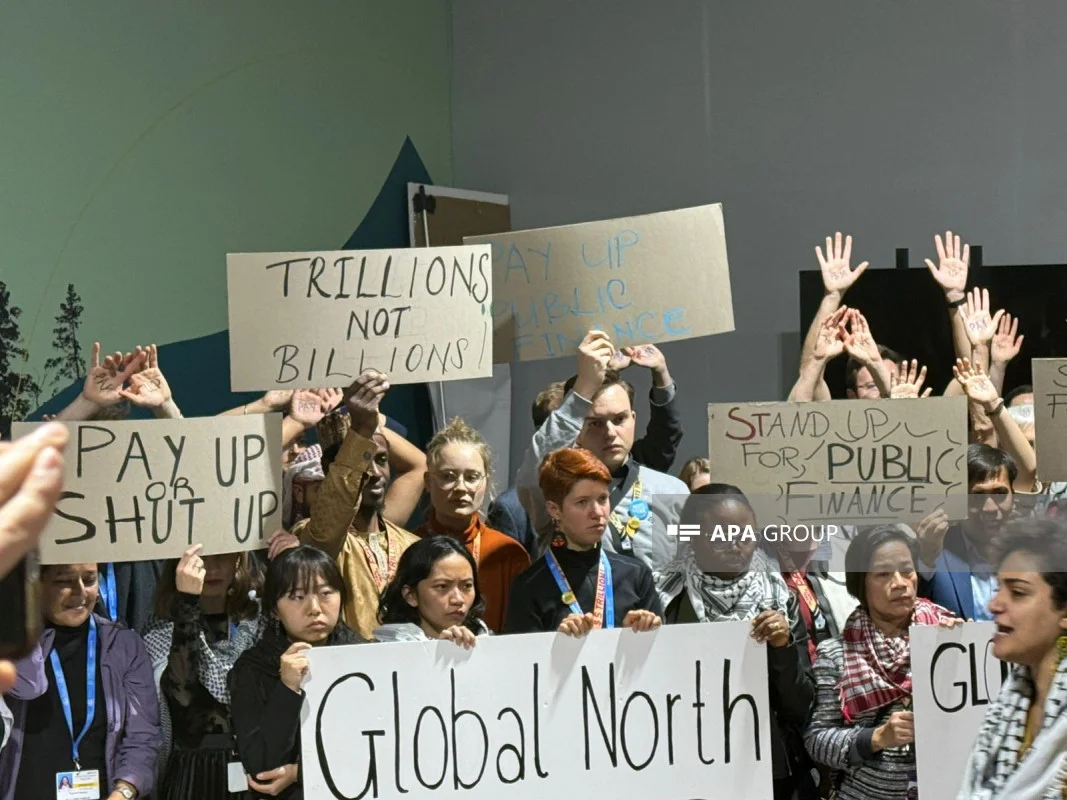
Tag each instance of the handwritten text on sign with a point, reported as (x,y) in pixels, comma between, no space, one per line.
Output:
(320,319)
(1050,417)
(652,278)
(955,677)
(866,461)
(677,714)
(140,490)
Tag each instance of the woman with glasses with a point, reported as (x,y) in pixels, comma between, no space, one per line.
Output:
(459,469)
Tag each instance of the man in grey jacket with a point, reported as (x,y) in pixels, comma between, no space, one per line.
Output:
(598,414)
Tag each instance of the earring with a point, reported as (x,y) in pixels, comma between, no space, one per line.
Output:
(558,539)
(1061,648)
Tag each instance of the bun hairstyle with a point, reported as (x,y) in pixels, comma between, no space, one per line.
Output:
(459,432)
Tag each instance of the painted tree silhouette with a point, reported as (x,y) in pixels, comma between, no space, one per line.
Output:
(16,389)
(70,364)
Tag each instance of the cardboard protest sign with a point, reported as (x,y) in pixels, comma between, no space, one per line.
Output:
(653,278)
(1050,417)
(955,677)
(861,461)
(148,489)
(320,319)
(613,714)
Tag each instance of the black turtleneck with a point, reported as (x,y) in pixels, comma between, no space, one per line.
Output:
(536,603)
(46,743)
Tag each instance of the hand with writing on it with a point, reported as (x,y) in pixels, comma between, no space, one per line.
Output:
(976,384)
(190,574)
(362,399)
(273,782)
(103,382)
(594,353)
(619,361)
(294,665)
(577,625)
(641,620)
(280,541)
(771,626)
(830,342)
(897,731)
(460,635)
(951,270)
(306,408)
(980,326)
(650,357)
(931,532)
(837,272)
(1006,345)
(908,382)
(859,342)
(148,386)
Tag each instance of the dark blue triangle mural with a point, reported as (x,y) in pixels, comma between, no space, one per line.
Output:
(198,370)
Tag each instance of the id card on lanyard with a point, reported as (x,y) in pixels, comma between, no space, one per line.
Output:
(79,784)
(603,606)
(639,511)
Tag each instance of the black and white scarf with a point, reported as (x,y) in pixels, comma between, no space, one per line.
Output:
(994,771)
(714,599)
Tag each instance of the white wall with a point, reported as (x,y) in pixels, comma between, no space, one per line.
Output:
(887,120)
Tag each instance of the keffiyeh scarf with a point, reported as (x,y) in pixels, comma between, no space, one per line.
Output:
(994,771)
(714,599)
(877,668)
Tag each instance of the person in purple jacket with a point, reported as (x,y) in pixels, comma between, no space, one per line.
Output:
(85,700)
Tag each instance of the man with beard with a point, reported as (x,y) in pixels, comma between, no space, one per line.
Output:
(955,559)
(347,520)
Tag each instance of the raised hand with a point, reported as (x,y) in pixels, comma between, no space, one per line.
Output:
(594,353)
(148,387)
(858,339)
(294,665)
(1006,345)
(104,382)
(189,577)
(830,342)
(908,381)
(980,326)
(953,260)
(976,383)
(837,274)
(362,399)
(309,406)
(771,627)
(931,532)
(650,357)
(276,399)
(640,620)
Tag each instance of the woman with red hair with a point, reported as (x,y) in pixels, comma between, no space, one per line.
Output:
(578,586)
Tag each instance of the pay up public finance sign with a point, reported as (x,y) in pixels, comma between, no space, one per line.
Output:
(320,319)
(136,490)
(675,714)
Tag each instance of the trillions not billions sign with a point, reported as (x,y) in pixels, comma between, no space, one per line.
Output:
(676,714)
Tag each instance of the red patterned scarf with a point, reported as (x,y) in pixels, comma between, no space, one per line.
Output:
(878,667)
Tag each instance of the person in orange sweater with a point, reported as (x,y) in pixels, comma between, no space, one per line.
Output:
(459,470)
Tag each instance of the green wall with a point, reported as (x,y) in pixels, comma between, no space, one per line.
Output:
(141,142)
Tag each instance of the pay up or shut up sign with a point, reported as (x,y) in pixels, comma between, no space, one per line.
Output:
(148,489)
(320,319)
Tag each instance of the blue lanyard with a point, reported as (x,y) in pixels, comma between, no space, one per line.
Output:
(108,593)
(603,584)
(90,691)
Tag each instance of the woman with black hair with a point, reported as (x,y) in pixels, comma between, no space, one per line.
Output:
(863,727)
(303,595)
(1021,749)
(723,576)
(434,595)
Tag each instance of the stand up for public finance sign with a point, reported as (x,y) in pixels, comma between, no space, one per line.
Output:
(676,714)
(320,319)
(654,278)
(148,489)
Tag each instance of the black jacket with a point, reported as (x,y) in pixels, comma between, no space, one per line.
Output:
(266,712)
(536,603)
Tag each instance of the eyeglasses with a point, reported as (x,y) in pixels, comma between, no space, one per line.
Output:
(450,478)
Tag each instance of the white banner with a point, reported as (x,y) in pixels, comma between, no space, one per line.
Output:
(678,713)
(145,489)
(955,677)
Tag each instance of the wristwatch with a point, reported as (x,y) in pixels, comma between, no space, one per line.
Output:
(126,792)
